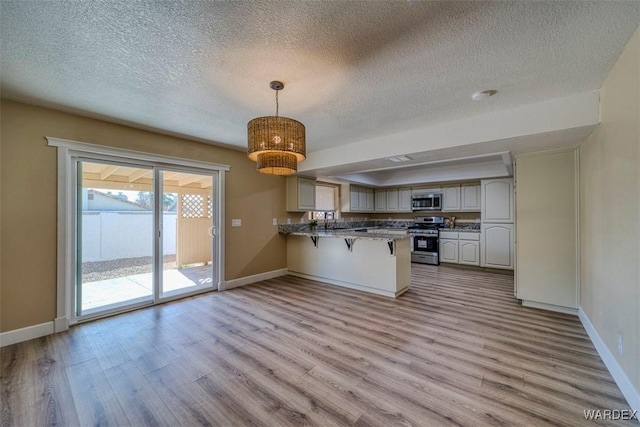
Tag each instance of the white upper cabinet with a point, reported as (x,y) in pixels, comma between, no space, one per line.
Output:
(356,199)
(425,190)
(392,200)
(370,199)
(470,197)
(404,199)
(451,198)
(362,199)
(497,200)
(301,194)
(461,198)
(381,200)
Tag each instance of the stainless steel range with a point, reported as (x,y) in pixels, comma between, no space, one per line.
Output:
(424,239)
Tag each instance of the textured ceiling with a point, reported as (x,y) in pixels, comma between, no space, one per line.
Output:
(353,69)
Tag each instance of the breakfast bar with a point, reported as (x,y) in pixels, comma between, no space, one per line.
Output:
(375,261)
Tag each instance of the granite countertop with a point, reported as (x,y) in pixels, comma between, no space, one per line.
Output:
(350,234)
(461,229)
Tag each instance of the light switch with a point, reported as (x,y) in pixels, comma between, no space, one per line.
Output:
(236,222)
(275,221)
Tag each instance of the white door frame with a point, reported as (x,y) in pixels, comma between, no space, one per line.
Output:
(69,150)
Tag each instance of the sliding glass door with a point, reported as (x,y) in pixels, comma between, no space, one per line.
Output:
(144,233)
(187,230)
(115,236)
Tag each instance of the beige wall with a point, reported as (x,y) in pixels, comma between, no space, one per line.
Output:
(28,201)
(610,213)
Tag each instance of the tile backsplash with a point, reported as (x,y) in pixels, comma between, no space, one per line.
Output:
(288,228)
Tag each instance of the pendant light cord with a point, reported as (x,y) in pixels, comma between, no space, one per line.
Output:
(277,105)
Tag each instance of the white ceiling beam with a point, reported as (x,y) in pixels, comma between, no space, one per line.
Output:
(108,171)
(169,175)
(139,174)
(191,179)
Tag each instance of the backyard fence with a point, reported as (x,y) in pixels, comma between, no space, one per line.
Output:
(116,235)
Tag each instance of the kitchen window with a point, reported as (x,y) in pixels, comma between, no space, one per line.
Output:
(326,202)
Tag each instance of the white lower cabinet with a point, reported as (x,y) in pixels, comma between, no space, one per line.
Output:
(449,250)
(469,252)
(469,248)
(497,246)
(460,247)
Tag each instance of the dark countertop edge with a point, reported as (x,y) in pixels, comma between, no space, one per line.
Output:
(349,235)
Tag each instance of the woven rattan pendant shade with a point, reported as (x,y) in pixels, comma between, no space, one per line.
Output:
(277,163)
(276,143)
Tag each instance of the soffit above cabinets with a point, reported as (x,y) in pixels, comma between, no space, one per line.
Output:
(465,169)
(492,159)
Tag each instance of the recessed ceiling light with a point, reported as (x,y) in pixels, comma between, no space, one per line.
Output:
(483,94)
(399,159)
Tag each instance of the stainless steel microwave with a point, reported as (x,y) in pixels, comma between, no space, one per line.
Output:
(426,202)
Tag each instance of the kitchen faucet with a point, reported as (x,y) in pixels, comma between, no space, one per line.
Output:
(327,224)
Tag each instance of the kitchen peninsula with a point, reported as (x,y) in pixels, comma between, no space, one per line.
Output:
(371,260)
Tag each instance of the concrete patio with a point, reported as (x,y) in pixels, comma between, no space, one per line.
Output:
(111,292)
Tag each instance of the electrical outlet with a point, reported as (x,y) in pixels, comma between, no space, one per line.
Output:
(620,345)
(236,222)
(275,221)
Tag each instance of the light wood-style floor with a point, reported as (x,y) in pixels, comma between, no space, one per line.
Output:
(456,349)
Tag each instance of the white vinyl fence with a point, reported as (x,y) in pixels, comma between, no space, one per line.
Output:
(116,235)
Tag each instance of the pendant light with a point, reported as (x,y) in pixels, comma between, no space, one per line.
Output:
(276,143)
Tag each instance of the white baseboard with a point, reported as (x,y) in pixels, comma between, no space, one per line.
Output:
(241,281)
(626,387)
(550,307)
(350,285)
(26,334)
